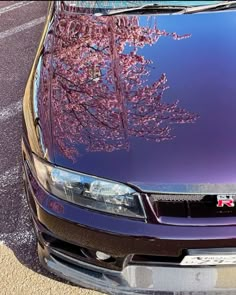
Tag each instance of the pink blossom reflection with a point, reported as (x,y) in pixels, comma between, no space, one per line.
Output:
(101,94)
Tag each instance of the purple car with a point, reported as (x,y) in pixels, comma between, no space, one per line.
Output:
(129,145)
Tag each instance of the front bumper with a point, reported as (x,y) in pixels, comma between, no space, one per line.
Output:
(64,230)
(141,279)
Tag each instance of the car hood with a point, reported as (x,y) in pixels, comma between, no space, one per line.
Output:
(147,100)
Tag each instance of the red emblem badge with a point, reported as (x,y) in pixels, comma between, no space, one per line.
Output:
(225,200)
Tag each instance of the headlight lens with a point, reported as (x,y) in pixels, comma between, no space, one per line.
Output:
(88,191)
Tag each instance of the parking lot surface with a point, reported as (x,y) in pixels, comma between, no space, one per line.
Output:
(21,24)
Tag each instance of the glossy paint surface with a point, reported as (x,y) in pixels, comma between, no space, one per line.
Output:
(141,99)
(97,102)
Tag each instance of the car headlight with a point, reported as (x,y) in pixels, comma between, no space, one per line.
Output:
(89,191)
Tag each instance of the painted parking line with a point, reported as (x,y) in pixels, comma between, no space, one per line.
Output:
(9,177)
(15,6)
(10,111)
(21,28)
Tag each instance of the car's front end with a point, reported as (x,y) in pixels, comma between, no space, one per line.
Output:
(131,190)
(125,256)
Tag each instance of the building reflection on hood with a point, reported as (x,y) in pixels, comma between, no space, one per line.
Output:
(102,94)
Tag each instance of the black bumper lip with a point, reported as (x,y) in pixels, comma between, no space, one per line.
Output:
(82,274)
(140,279)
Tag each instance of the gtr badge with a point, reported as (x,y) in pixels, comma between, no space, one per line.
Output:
(225,200)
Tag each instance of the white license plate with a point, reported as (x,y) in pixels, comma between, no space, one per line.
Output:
(209,259)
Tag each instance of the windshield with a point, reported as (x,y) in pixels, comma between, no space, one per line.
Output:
(126,4)
(119,7)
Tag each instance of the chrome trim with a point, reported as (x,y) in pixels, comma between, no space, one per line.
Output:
(176,197)
(141,204)
(179,188)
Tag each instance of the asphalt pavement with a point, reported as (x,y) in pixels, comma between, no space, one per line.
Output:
(21,24)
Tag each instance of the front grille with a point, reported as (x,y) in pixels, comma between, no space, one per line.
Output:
(189,206)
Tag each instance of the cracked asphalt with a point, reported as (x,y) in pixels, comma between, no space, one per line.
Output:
(21,25)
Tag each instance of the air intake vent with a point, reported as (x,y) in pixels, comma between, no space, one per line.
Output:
(176,197)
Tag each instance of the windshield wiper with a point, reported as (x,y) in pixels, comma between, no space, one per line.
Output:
(212,7)
(173,9)
(145,7)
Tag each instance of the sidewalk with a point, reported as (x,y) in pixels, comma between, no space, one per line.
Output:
(16,279)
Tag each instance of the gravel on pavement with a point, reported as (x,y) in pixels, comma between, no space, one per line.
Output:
(21,24)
